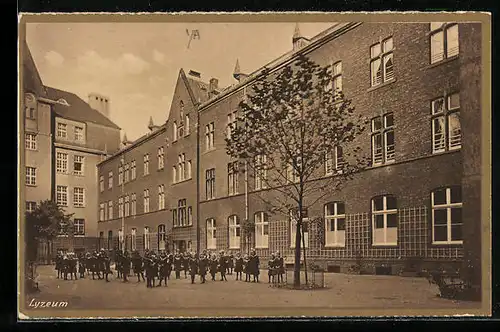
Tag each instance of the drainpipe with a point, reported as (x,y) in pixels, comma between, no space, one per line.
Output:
(246,185)
(196,108)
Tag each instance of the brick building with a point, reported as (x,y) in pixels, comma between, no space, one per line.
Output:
(64,139)
(410,79)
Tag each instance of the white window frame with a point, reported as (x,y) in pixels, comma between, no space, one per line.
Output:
(133,239)
(181,174)
(62,162)
(78,197)
(62,130)
(381,56)
(446,143)
(261,221)
(147,239)
(146,164)
(30,206)
(293,230)
(161,158)
(385,212)
(337,76)
(127,206)
(120,207)
(209,136)
(174,132)
(133,170)
(110,210)
(231,124)
(79,226)
(30,176)
(101,212)
(77,159)
(120,175)
(335,238)
(388,153)
(334,163)
(161,197)
(261,172)
(146,200)
(133,205)
(448,206)
(234,228)
(186,125)
(110,180)
(210,183)
(162,236)
(232,178)
(62,195)
(30,140)
(443,28)
(101,183)
(189,170)
(211,233)
(174,174)
(79,134)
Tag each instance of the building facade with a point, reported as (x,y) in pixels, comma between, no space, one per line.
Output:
(64,140)
(410,80)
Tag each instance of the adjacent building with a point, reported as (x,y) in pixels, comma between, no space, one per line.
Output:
(417,203)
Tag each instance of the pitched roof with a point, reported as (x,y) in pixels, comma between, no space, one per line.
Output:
(198,88)
(31,78)
(78,109)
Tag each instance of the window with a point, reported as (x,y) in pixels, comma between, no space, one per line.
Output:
(133,171)
(444,41)
(127,173)
(110,210)
(181,109)
(234,232)
(79,134)
(133,205)
(304,228)
(146,200)
(162,237)
(446,129)
(110,238)
(62,195)
(211,234)
(101,212)
(78,163)
(186,124)
(384,220)
(79,227)
(174,174)
(383,144)
(335,224)
(261,230)
(292,175)
(133,239)
(190,216)
(120,175)
(146,164)
(175,131)
(161,158)
(231,124)
(232,178)
(30,106)
(260,172)
(189,170)
(337,77)
(127,206)
(30,176)
(61,130)
(101,183)
(110,180)
(381,62)
(334,161)
(181,167)
(447,215)
(120,207)
(161,197)
(62,162)
(30,141)
(175,218)
(181,212)
(210,183)
(30,206)
(78,197)
(209,136)
(147,240)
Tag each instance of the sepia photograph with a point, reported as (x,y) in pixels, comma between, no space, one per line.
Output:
(237,165)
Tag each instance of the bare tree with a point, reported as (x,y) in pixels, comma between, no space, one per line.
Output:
(293,126)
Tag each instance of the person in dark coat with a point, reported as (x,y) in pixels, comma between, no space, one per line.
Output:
(246,267)
(202,266)
(280,265)
(81,265)
(170,262)
(105,264)
(137,265)
(162,268)
(271,268)
(214,263)
(88,263)
(230,263)
(254,264)
(185,263)
(149,267)
(125,266)
(94,259)
(177,264)
(193,266)
(59,265)
(238,266)
(118,263)
(222,266)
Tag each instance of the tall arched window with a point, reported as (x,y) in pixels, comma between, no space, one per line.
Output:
(234,232)
(211,234)
(162,237)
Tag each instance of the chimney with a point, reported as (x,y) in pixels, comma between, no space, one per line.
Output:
(213,85)
(194,74)
(99,103)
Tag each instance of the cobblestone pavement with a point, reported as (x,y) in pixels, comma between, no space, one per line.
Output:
(343,292)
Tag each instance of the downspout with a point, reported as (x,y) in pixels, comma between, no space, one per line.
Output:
(198,236)
(246,185)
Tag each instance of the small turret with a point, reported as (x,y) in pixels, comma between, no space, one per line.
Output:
(151,125)
(237,74)
(298,40)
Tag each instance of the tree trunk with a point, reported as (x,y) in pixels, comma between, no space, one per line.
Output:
(296,271)
(304,245)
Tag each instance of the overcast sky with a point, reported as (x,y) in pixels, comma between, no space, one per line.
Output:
(136,64)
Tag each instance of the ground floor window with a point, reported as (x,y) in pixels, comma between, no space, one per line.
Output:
(294,216)
(79,227)
(147,240)
(211,234)
(384,220)
(261,230)
(133,239)
(161,237)
(447,215)
(234,232)
(335,224)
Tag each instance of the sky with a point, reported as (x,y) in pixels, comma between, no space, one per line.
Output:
(136,64)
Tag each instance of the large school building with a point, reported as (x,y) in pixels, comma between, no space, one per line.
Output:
(418,202)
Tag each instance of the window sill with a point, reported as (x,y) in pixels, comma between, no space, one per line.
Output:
(79,207)
(262,247)
(160,169)
(387,163)
(179,182)
(335,246)
(381,85)
(442,62)
(79,175)
(31,185)
(186,226)
(385,245)
(208,151)
(447,244)
(34,150)
(438,153)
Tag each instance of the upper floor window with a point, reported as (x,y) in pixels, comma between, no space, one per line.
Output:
(188,170)
(133,239)
(210,183)
(337,77)
(147,240)
(127,172)
(181,166)
(211,234)
(31,176)
(120,174)
(182,213)
(335,224)
(110,179)
(292,175)
(30,206)
(260,172)
(133,205)
(232,178)
(261,230)
(294,217)
(62,130)
(146,164)
(447,222)
(146,200)
(446,129)
(30,141)
(209,136)
(384,220)
(30,106)
(78,197)
(62,162)
(120,207)
(79,134)
(234,231)
(161,158)
(444,41)
(186,125)
(381,62)
(231,123)
(133,170)
(127,206)
(62,195)
(101,212)
(161,197)
(110,209)
(175,131)
(383,144)
(334,161)
(101,183)
(78,165)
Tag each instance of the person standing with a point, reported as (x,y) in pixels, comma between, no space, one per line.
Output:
(193,266)
(254,265)
(118,263)
(238,265)
(148,267)
(177,264)
(137,265)
(162,267)
(280,265)
(81,265)
(170,261)
(202,266)
(105,264)
(246,267)
(185,263)
(214,263)
(230,262)
(59,261)
(271,268)
(125,266)
(222,265)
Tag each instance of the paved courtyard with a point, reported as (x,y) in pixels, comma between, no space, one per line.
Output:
(346,292)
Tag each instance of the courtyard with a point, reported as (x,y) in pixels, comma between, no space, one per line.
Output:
(344,295)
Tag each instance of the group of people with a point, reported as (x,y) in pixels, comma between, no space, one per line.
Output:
(153,266)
